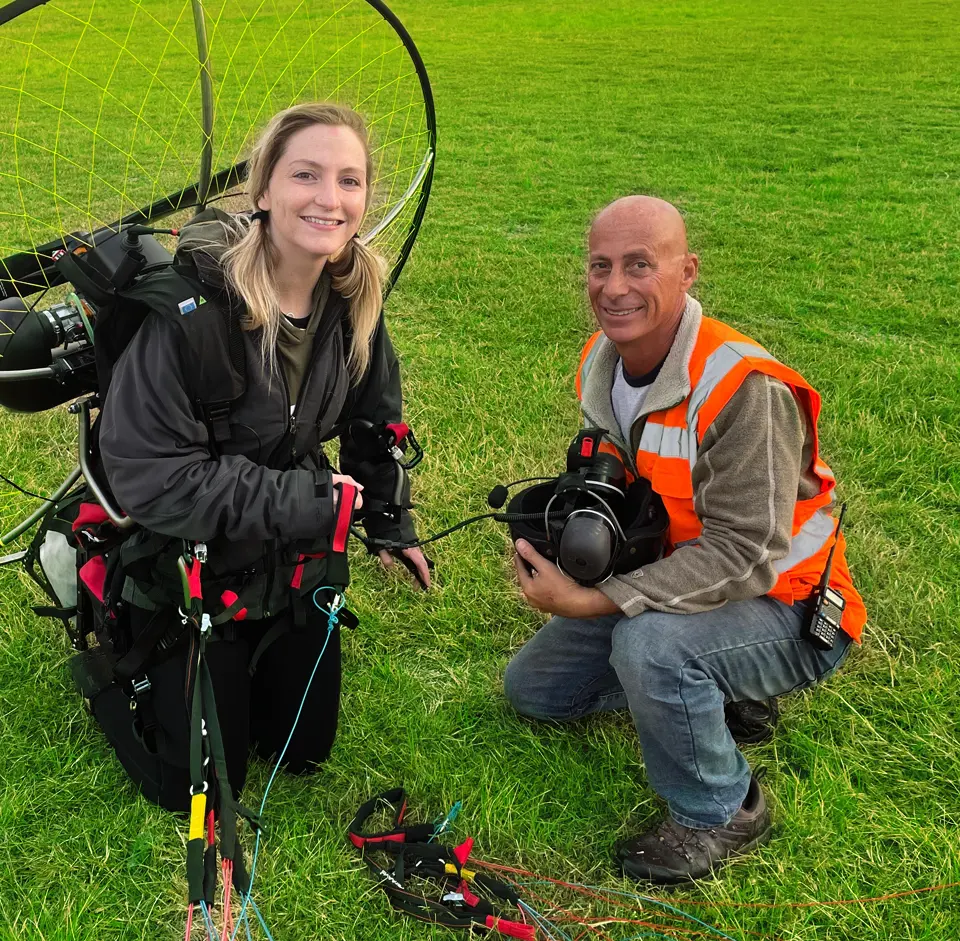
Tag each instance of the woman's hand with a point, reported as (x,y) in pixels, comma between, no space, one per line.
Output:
(417,559)
(347,479)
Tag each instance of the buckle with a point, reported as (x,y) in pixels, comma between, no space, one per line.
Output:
(217,416)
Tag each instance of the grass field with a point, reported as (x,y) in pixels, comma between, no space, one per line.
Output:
(813,149)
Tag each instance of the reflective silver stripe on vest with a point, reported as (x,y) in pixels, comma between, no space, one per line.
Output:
(669,442)
(682,442)
(718,364)
(587,363)
(815,533)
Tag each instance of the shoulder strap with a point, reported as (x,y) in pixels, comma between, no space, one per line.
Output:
(213,341)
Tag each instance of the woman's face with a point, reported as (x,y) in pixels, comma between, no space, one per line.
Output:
(317,192)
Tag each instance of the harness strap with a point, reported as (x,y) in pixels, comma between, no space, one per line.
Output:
(146,725)
(216,416)
(274,633)
(199,786)
(397,799)
(147,548)
(158,635)
(234,610)
(416,856)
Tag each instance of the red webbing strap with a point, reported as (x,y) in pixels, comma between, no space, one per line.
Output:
(90,514)
(297,578)
(361,841)
(193,580)
(472,900)
(400,430)
(395,798)
(93,574)
(513,929)
(230,598)
(462,852)
(348,496)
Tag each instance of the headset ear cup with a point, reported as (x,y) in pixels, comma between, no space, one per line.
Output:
(589,547)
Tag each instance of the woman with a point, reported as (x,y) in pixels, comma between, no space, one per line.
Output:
(316,353)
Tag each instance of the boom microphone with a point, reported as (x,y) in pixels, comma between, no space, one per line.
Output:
(497,497)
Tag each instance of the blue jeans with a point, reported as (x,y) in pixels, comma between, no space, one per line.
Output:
(674,672)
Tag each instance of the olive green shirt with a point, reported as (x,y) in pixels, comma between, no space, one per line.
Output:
(295,342)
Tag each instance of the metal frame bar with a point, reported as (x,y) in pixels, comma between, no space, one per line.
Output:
(206,102)
(83,442)
(38,513)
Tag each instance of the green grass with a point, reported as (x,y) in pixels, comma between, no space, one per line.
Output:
(813,149)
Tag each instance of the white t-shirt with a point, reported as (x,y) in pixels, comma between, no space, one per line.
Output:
(627,397)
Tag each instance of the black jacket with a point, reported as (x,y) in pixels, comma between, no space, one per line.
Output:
(268,481)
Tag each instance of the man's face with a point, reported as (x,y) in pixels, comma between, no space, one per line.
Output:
(638,273)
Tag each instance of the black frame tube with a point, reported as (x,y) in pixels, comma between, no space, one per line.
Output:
(431,113)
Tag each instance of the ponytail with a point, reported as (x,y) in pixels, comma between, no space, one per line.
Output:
(249,263)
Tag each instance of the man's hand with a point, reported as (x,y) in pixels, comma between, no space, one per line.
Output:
(417,559)
(552,592)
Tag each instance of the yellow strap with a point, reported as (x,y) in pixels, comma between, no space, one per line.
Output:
(198,810)
(467,874)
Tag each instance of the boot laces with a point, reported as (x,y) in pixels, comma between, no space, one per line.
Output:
(678,838)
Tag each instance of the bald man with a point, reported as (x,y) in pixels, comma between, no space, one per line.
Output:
(727,437)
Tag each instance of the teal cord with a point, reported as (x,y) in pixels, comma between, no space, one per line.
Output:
(641,898)
(332,622)
(443,824)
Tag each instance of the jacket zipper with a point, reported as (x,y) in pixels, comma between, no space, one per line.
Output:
(322,336)
(290,417)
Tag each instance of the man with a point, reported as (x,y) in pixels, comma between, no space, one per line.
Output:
(728,438)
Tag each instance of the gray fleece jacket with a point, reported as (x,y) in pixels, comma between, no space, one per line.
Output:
(755,461)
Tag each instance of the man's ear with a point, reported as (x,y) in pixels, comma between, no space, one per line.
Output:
(690,268)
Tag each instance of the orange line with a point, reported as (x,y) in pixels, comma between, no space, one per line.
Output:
(678,902)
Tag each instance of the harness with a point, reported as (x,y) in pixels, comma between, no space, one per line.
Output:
(402,854)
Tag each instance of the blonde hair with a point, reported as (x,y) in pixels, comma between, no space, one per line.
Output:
(357,271)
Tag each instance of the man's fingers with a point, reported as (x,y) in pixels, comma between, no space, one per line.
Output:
(386,560)
(532,560)
(525,549)
(523,573)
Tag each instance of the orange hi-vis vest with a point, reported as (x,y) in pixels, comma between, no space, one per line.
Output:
(722,358)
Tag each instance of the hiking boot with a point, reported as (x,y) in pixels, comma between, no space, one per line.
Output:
(751,722)
(671,853)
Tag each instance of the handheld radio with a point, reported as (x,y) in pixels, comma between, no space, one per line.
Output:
(822,623)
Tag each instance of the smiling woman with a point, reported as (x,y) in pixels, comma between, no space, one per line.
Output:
(309,187)
(251,491)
